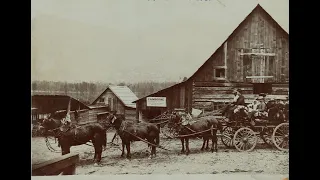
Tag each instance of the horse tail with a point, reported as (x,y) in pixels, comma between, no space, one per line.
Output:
(104,138)
(220,127)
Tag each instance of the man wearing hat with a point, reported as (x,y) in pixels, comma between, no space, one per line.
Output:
(237,100)
(261,107)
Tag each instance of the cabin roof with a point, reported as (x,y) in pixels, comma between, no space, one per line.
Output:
(123,93)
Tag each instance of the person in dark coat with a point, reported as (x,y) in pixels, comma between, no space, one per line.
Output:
(238,100)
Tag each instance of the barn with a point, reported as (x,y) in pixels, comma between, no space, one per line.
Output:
(119,99)
(43,105)
(254,58)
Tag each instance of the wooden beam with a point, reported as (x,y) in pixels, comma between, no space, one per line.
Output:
(258,54)
(219,67)
(251,77)
(65,164)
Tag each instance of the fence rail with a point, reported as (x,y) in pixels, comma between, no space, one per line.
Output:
(65,165)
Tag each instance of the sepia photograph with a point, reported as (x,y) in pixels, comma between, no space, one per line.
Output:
(160,87)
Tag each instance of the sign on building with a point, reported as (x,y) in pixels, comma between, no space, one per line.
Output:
(156,102)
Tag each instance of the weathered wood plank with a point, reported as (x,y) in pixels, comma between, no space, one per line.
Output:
(220,96)
(280,89)
(216,84)
(65,163)
(213,92)
(215,88)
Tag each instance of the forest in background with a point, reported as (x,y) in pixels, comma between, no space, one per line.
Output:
(87,92)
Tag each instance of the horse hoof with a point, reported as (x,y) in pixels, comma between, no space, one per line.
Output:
(201,149)
(95,164)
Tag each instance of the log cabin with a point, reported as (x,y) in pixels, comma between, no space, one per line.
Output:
(119,99)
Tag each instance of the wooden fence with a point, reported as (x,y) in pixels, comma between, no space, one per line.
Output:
(65,165)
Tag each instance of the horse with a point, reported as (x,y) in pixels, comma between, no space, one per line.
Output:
(204,124)
(77,135)
(131,131)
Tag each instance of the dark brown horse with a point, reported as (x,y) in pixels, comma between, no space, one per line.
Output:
(205,127)
(77,135)
(129,131)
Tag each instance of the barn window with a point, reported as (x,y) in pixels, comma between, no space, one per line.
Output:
(219,72)
(101,100)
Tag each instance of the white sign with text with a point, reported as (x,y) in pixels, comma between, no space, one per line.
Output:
(156,102)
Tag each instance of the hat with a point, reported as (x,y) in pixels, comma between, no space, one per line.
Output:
(234,90)
(259,98)
(262,94)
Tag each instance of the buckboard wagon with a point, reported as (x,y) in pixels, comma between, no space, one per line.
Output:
(241,134)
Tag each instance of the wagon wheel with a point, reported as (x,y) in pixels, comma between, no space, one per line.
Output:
(266,136)
(245,139)
(52,143)
(227,136)
(280,136)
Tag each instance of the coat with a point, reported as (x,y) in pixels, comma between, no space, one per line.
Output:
(240,100)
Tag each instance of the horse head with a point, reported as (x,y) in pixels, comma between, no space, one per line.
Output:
(175,119)
(114,120)
(49,124)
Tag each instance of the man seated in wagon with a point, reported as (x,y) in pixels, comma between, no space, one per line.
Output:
(261,109)
(237,104)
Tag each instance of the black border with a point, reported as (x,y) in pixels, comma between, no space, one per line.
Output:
(298,93)
(16,76)
(16,95)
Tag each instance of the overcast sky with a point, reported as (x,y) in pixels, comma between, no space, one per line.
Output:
(134,40)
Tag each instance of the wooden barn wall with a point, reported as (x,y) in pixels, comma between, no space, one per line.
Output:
(85,116)
(211,95)
(258,33)
(130,114)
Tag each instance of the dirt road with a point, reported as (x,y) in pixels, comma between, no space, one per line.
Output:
(226,161)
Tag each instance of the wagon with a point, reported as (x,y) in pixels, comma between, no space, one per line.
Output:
(243,134)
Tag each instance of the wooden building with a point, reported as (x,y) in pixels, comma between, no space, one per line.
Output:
(254,58)
(47,104)
(119,99)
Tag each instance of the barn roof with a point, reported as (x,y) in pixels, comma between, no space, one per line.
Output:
(231,32)
(123,93)
(49,103)
(258,7)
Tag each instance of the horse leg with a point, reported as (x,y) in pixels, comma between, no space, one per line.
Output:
(207,141)
(65,150)
(214,140)
(128,150)
(99,153)
(182,143)
(203,144)
(187,146)
(123,146)
(98,142)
